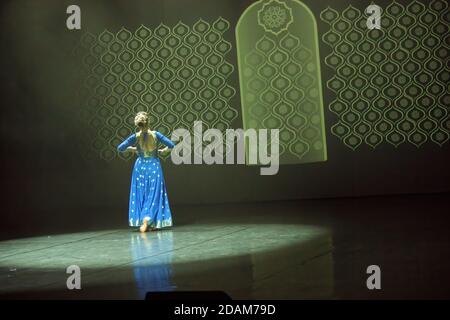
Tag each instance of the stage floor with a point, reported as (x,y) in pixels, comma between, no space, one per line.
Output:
(276,250)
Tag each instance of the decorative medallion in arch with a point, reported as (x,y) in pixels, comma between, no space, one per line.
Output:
(279,73)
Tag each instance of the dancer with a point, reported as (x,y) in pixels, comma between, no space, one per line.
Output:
(149,205)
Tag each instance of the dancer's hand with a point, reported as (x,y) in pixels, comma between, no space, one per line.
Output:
(164,150)
(132,149)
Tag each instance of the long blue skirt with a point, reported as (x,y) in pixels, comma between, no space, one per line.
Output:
(148,195)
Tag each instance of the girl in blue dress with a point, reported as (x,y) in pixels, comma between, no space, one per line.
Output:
(149,205)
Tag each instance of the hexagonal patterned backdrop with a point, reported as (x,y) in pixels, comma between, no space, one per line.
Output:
(390,85)
(279,70)
(179,75)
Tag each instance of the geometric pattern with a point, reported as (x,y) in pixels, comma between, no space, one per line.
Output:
(279,71)
(390,85)
(178,75)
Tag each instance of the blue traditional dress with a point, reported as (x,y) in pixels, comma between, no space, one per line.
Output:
(148,195)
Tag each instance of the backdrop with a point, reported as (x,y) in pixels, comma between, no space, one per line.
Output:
(57,148)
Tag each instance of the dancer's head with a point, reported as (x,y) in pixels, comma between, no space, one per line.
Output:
(141,120)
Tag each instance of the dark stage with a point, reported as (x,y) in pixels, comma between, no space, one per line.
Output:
(315,249)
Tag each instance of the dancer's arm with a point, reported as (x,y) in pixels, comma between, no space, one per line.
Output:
(127,144)
(166,141)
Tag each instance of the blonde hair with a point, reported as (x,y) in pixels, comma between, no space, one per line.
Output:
(141,117)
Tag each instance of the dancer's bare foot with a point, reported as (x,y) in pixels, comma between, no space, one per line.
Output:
(144,226)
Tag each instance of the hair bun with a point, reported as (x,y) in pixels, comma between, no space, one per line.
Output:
(141,117)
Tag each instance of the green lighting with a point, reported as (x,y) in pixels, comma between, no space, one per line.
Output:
(279,71)
(178,75)
(389,84)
